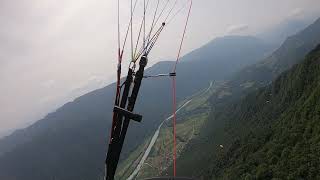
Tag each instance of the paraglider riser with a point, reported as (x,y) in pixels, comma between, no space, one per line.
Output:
(124,111)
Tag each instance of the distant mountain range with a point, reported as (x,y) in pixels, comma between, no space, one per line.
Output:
(71,142)
(289,27)
(260,74)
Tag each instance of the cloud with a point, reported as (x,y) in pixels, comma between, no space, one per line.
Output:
(48,84)
(47,99)
(239,28)
(295,12)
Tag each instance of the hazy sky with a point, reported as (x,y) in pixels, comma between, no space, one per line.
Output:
(52,51)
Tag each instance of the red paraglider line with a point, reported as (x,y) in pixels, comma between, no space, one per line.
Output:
(174,96)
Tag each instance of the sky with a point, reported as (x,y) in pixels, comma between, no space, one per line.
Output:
(52,51)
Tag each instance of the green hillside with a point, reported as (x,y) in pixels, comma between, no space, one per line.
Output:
(271,133)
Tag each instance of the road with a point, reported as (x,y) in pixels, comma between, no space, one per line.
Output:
(151,144)
(155,137)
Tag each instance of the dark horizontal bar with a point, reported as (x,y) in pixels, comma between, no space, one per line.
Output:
(126,113)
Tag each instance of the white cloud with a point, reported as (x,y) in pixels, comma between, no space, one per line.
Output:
(239,28)
(49,83)
(295,12)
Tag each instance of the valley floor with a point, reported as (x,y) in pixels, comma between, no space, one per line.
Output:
(154,156)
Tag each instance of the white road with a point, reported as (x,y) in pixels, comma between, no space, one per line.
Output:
(155,137)
(151,144)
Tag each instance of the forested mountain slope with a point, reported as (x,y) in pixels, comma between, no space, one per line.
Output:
(271,133)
